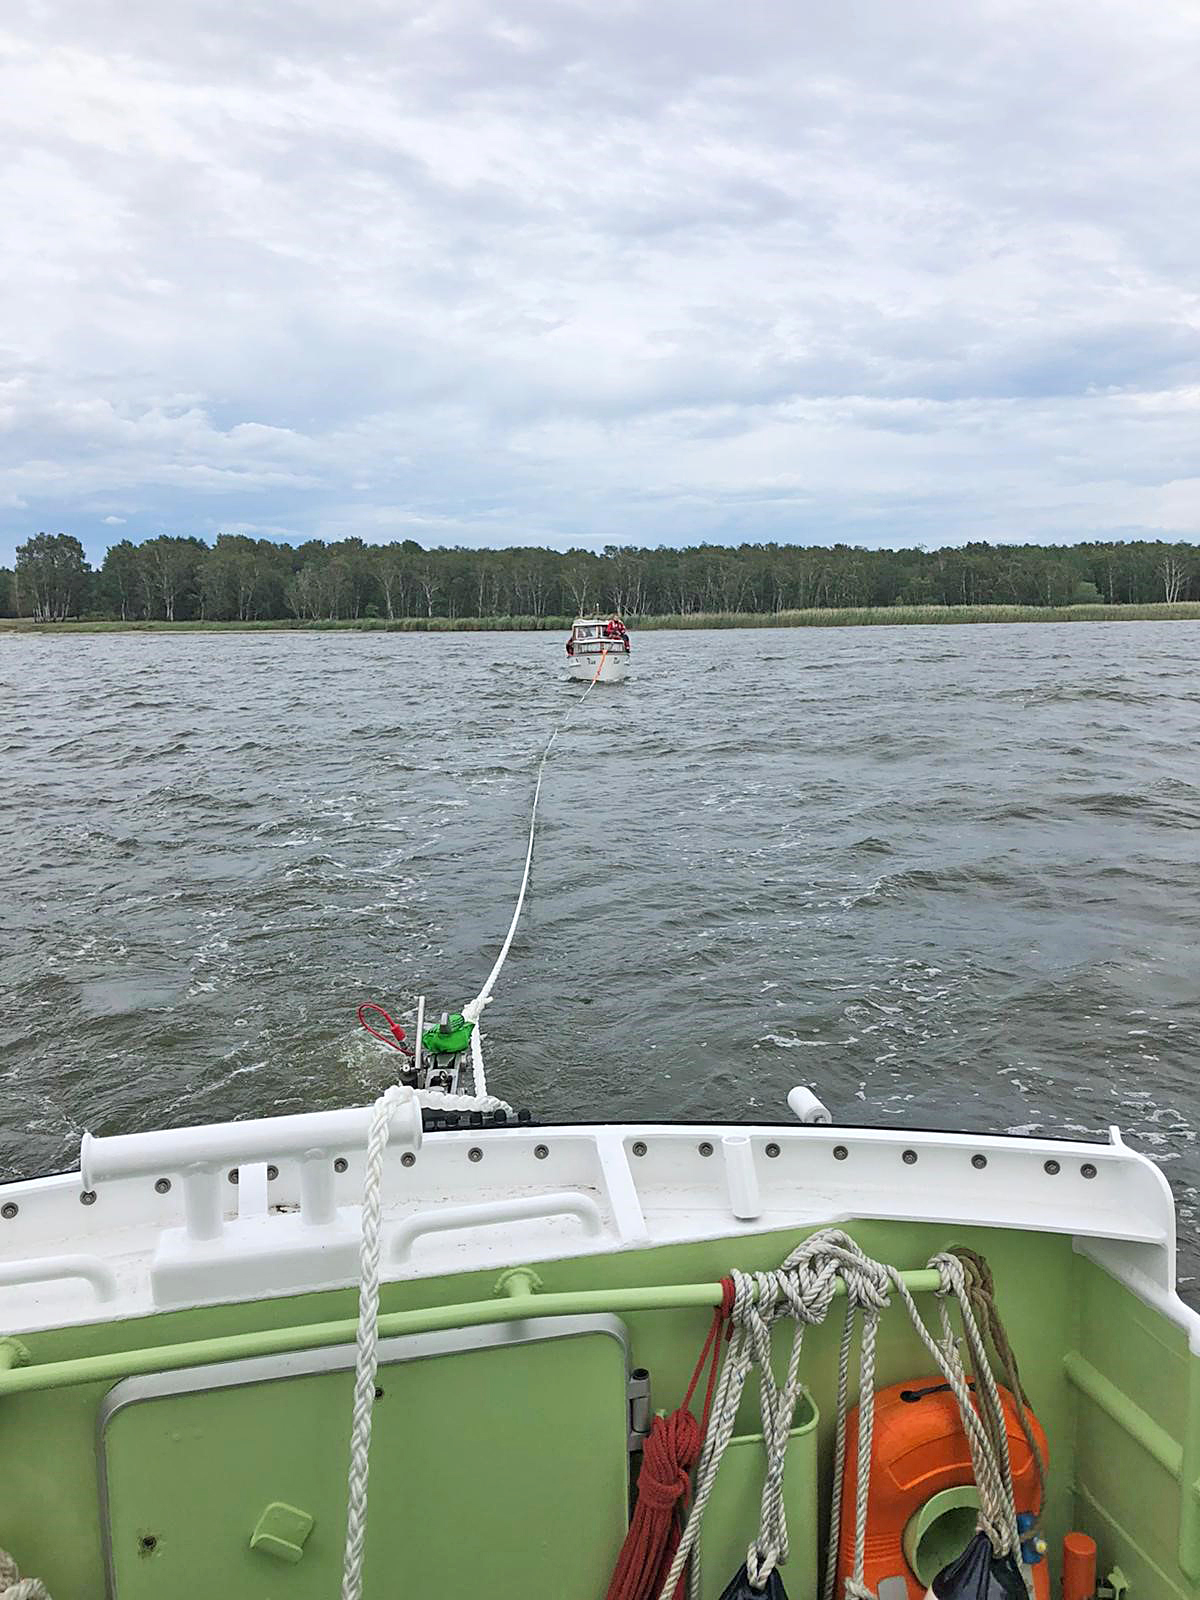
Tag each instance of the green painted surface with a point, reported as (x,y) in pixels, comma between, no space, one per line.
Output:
(1136,1434)
(510,1462)
(732,1516)
(281,1532)
(940,1531)
(12,1354)
(1055,1303)
(1156,1442)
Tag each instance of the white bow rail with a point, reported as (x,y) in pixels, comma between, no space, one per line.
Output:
(200,1157)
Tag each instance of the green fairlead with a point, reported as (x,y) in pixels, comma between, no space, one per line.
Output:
(452,1034)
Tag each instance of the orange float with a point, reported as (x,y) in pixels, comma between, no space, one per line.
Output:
(922,1505)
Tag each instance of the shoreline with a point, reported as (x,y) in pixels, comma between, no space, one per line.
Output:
(831,617)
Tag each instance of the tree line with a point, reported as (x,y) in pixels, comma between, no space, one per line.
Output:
(241,579)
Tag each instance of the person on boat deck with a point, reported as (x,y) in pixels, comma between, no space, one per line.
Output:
(614,628)
(570,647)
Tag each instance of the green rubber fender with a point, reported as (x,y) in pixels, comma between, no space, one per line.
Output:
(448,1037)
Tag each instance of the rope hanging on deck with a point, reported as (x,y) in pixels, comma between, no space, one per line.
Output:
(981,1291)
(982,1416)
(14,1587)
(803,1289)
(367,1343)
(671,1450)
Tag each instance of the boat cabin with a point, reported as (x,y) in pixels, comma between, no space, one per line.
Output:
(590,635)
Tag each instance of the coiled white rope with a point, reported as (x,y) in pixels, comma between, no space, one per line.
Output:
(803,1288)
(473,1010)
(14,1587)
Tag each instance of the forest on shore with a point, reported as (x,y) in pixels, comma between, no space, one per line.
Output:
(238,579)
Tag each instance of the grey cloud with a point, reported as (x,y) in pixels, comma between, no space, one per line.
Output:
(571,269)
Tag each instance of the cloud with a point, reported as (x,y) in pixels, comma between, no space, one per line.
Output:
(488,270)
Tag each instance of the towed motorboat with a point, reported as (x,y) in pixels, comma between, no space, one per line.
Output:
(598,650)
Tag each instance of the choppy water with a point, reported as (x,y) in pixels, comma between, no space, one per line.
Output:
(948,876)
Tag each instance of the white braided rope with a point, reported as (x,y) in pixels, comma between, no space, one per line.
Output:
(721,1420)
(856,1584)
(839,1451)
(471,1013)
(442,1100)
(473,1010)
(14,1587)
(803,1288)
(367,1360)
(985,1428)
(830,1257)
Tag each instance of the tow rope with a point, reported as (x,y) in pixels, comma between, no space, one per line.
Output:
(473,1010)
(367,1343)
(664,1483)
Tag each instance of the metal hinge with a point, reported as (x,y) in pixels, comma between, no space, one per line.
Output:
(637,1390)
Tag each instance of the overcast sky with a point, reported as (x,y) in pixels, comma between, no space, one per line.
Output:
(591,271)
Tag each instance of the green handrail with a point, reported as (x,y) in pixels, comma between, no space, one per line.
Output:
(429,1319)
(1180,1460)
(1138,1424)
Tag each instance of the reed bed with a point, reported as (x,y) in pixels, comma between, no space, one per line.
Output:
(817,617)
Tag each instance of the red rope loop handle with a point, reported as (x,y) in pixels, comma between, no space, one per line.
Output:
(396,1042)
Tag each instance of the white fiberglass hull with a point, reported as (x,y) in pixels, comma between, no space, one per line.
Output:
(609,666)
(169,1232)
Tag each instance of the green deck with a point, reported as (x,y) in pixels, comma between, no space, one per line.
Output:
(531,1449)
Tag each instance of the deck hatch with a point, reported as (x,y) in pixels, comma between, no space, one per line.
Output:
(466,1422)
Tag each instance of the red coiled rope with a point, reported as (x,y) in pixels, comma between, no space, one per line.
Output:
(670,1452)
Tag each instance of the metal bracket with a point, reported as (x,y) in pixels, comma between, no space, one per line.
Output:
(1114,1587)
(637,1388)
(13,1354)
(517,1281)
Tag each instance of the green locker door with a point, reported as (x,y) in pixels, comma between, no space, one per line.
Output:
(499,1468)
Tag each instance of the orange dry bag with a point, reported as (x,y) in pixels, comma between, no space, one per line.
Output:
(922,1505)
